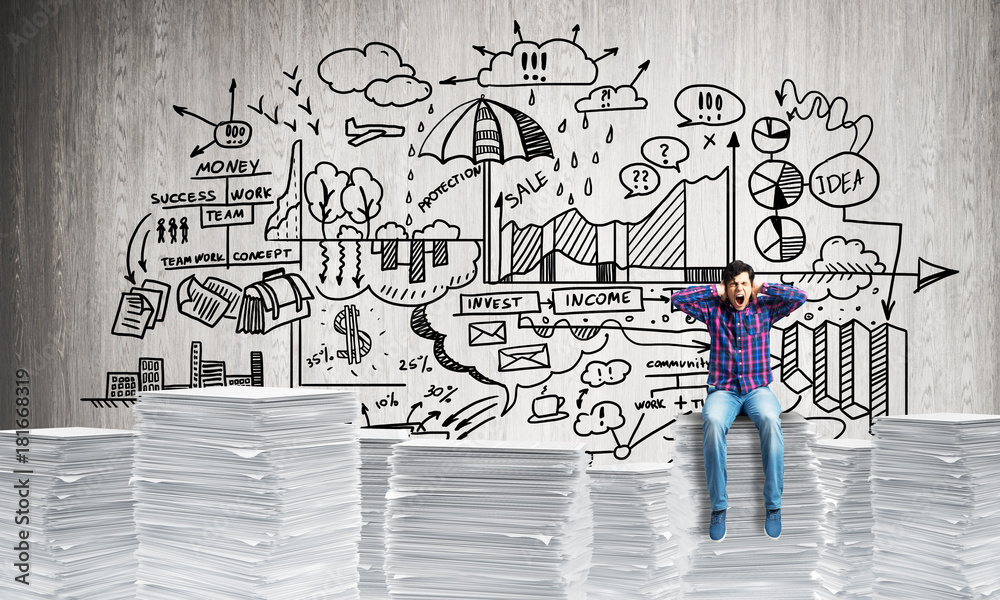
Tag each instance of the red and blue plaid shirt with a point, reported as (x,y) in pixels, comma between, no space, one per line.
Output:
(741,340)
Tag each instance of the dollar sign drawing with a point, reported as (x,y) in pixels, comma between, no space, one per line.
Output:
(359,343)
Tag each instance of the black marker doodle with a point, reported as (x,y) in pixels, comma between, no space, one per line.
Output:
(597,373)
(150,376)
(208,302)
(454,417)
(928,273)
(770,135)
(547,409)
(604,417)
(421,326)
(488,333)
(499,133)
(357,341)
(285,222)
(307,107)
(665,151)
(780,239)
(377,71)
(835,112)
(844,180)
(227,134)
(843,269)
(711,105)
(848,368)
(519,358)
(362,198)
(130,275)
(556,61)
(776,184)
(657,241)
(259,109)
(610,98)
(277,299)
(141,308)
(638,179)
(362,134)
(324,186)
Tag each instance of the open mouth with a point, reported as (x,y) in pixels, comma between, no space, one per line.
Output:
(740,297)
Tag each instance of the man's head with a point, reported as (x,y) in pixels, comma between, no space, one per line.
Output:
(737,279)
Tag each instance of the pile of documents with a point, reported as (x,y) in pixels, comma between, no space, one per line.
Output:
(634,550)
(246,493)
(747,563)
(488,520)
(376,448)
(936,501)
(845,563)
(67,527)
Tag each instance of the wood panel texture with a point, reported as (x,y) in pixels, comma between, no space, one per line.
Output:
(104,104)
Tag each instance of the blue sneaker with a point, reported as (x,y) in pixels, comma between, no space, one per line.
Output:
(717,528)
(772,524)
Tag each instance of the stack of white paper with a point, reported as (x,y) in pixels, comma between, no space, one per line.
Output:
(67,526)
(747,563)
(634,550)
(247,493)
(845,563)
(376,448)
(936,500)
(488,520)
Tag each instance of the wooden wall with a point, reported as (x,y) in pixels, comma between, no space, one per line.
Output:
(892,104)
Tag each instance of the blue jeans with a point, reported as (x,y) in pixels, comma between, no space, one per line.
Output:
(721,409)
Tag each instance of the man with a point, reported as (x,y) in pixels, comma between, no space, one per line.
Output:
(739,314)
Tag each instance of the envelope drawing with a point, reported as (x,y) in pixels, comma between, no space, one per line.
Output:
(488,333)
(519,358)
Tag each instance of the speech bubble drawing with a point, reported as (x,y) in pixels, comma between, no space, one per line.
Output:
(667,152)
(639,179)
(706,104)
(233,134)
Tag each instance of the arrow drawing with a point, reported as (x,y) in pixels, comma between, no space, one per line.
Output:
(130,277)
(642,69)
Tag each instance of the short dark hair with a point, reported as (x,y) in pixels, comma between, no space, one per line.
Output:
(733,270)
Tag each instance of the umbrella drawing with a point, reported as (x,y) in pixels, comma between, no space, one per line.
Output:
(485,131)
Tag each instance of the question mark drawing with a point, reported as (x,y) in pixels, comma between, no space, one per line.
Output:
(639,179)
(666,152)
(605,95)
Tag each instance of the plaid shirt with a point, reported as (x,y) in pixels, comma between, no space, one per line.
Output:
(741,340)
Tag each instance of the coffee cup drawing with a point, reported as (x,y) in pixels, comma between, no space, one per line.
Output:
(546,409)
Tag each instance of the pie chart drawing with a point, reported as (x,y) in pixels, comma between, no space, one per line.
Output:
(776,184)
(770,135)
(780,239)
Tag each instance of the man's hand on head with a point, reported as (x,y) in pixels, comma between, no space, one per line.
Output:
(757,285)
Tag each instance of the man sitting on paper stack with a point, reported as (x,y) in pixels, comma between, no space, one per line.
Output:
(739,314)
